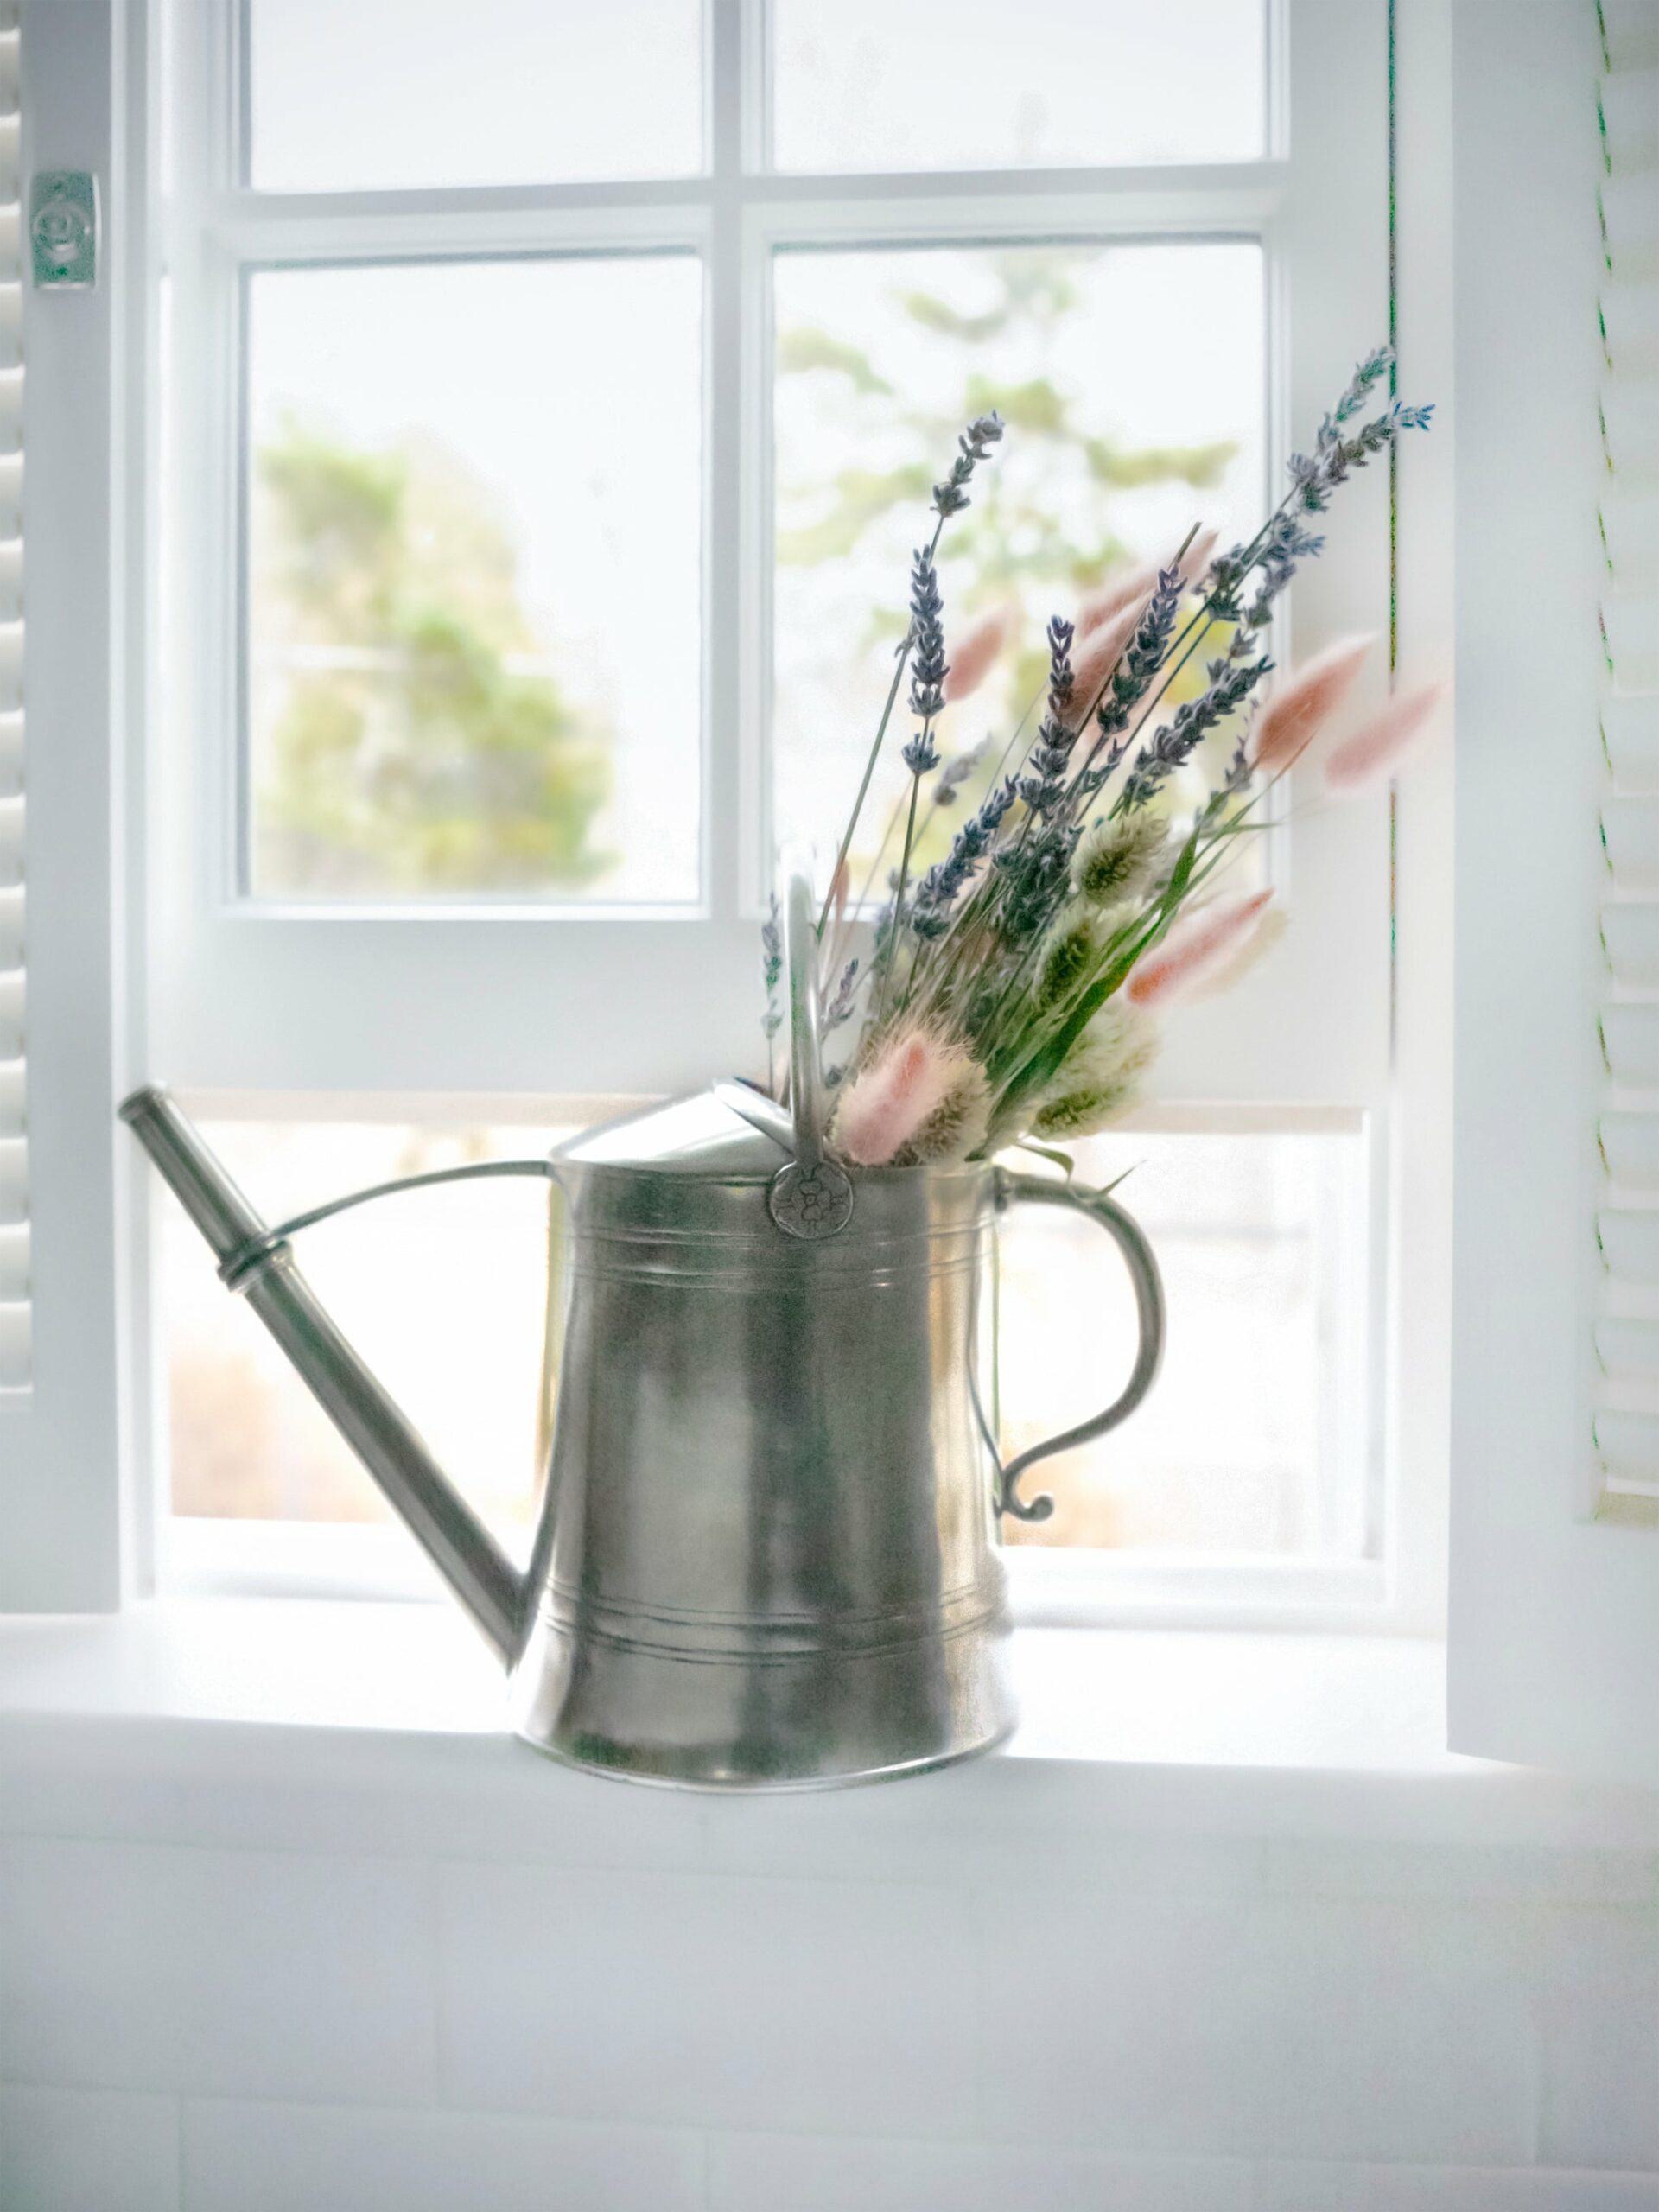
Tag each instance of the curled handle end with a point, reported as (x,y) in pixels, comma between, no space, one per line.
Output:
(1139,1258)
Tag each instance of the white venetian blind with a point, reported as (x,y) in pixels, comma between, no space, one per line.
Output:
(1627,1324)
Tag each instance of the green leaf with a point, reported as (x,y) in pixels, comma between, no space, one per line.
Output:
(1046,1063)
(1035,405)
(1200,466)
(1056,1159)
(934,314)
(808,348)
(862,496)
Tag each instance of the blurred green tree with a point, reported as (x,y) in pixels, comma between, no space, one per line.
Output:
(1011,541)
(405,745)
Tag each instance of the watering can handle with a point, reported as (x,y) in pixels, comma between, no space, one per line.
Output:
(810,1197)
(1138,1257)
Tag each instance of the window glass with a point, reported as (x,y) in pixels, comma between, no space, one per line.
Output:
(971,84)
(443,1292)
(473,600)
(1254,1438)
(1131,380)
(376,95)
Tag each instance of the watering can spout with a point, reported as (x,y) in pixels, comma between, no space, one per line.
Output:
(260,1265)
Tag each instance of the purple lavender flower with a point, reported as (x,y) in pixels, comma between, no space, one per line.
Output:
(1334,457)
(944,882)
(1047,763)
(1230,684)
(840,1008)
(927,664)
(951,497)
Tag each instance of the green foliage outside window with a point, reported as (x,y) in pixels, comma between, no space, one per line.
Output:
(414,745)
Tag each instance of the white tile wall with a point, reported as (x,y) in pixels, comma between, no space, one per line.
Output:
(250,1973)
(1447,2188)
(75,2149)
(708,2000)
(766,2173)
(251,2157)
(223,1991)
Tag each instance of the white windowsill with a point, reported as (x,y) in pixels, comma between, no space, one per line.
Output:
(1198,1732)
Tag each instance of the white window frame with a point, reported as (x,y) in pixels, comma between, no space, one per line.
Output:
(229,998)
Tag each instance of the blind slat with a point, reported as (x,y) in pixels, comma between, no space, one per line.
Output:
(1630,936)
(1630,28)
(1628,1446)
(1630,108)
(1631,1040)
(14,1119)
(1630,830)
(1630,1147)
(1630,520)
(15,1347)
(1629,726)
(1629,211)
(1629,319)
(1629,1350)
(1630,420)
(1629,1243)
(1631,621)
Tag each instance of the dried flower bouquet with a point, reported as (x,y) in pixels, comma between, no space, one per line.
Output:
(1013,990)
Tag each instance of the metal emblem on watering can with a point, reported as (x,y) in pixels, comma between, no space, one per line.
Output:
(767,1553)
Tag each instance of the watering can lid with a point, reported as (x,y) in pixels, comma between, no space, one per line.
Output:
(697,1135)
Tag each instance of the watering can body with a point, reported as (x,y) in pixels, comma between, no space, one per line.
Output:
(767,1553)
(768,1546)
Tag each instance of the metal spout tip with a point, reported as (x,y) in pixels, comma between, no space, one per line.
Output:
(137,1103)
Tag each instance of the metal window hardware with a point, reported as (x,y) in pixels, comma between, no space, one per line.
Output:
(63,230)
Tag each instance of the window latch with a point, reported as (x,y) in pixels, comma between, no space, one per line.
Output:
(63,230)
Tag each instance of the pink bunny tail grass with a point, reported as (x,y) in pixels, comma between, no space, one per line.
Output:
(1253,949)
(901,1089)
(975,657)
(1197,556)
(1137,588)
(1197,949)
(1378,746)
(1133,590)
(1297,712)
(1096,659)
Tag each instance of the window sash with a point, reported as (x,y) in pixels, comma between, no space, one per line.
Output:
(260,992)
(200,1555)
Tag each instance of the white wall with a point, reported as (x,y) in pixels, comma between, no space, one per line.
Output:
(268,1970)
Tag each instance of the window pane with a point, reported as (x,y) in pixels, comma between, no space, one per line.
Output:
(1131,380)
(374,95)
(473,623)
(980,84)
(443,1292)
(1254,1438)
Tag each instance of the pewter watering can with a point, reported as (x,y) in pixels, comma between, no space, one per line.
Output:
(766,1551)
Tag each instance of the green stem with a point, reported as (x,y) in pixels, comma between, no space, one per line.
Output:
(875,752)
(904,870)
